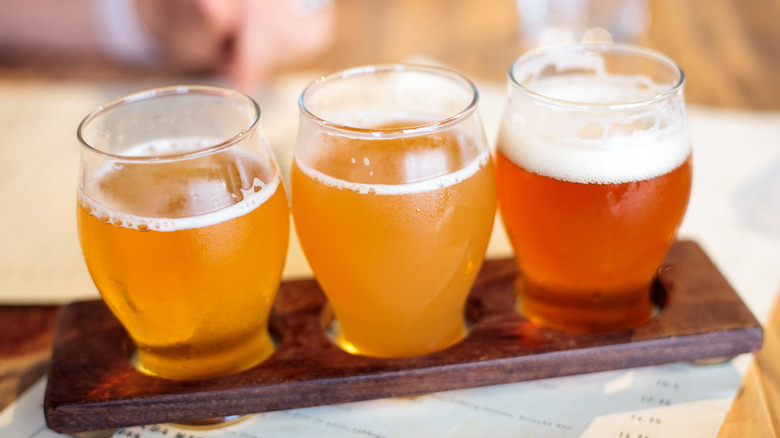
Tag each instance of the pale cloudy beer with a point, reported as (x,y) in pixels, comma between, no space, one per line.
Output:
(185,235)
(394,204)
(593,170)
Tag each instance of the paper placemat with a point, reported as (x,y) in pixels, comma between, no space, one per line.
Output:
(678,400)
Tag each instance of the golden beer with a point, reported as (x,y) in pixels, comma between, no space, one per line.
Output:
(194,292)
(593,167)
(396,258)
(185,237)
(393,197)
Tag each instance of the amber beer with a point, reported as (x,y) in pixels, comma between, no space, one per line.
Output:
(184,237)
(588,250)
(591,198)
(396,258)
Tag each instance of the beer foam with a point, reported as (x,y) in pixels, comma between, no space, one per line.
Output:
(170,146)
(584,89)
(436,183)
(252,198)
(602,146)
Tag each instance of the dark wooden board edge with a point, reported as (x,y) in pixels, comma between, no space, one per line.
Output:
(26,339)
(92,386)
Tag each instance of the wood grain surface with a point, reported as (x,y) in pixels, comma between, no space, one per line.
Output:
(93,386)
(728,49)
(26,335)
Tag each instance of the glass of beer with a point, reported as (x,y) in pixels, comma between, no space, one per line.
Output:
(393,198)
(184,223)
(593,165)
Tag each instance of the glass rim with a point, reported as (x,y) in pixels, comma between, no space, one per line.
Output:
(173,90)
(373,69)
(585,48)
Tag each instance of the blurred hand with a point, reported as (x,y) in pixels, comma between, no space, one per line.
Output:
(241,39)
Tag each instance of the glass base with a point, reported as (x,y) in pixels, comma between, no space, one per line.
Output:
(333,332)
(211,423)
(586,313)
(177,369)
(336,335)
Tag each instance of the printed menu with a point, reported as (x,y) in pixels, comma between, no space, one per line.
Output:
(675,400)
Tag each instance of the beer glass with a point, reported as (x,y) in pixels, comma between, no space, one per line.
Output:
(184,223)
(593,168)
(393,198)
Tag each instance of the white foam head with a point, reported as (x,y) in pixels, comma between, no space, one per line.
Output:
(92,198)
(427,185)
(598,127)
